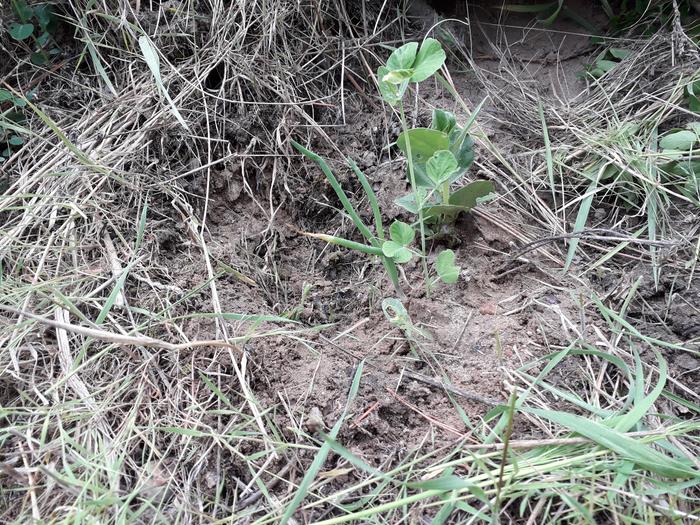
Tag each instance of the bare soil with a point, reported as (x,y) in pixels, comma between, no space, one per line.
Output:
(501,314)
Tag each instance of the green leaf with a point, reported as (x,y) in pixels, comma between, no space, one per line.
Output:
(694,127)
(43,39)
(39,58)
(24,12)
(446,268)
(397,252)
(16,140)
(150,55)
(465,153)
(596,72)
(694,88)
(443,483)
(625,446)
(424,143)
(618,53)
(605,65)
(346,243)
(401,233)
(44,15)
(397,76)
(430,58)
(682,140)
(468,196)
(462,200)
(694,103)
(444,121)
(21,31)
(5,95)
(420,172)
(391,93)
(441,166)
(407,202)
(581,218)
(402,57)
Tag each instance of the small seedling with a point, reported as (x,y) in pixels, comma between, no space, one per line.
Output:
(402,236)
(605,62)
(682,148)
(445,266)
(437,157)
(35,24)
(11,119)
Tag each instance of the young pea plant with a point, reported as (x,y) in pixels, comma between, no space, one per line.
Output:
(442,154)
(408,64)
(36,24)
(681,149)
(12,119)
(437,157)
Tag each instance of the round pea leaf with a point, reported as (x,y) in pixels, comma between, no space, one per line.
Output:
(402,57)
(605,65)
(397,252)
(408,202)
(21,31)
(446,268)
(39,58)
(441,166)
(401,233)
(16,140)
(619,54)
(681,140)
(430,58)
(24,12)
(424,143)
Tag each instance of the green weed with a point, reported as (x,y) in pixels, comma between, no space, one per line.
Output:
(35,27)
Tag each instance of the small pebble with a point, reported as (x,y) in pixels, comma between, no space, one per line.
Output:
(314,421)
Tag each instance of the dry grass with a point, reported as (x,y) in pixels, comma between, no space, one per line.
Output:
(112,411)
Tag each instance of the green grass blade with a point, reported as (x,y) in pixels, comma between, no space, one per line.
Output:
(347,205)
(141,229)
(580,224)
(623,445)
(641,407)
(547,150)
(98,65)
(115,293)
(150,55)
(371,196)
(346,243)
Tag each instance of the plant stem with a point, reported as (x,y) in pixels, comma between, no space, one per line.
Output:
(417,195)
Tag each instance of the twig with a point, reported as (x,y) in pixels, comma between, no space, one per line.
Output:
(120,339)
(451,389)
(434,421)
